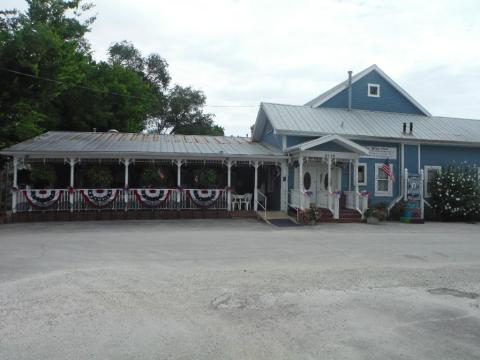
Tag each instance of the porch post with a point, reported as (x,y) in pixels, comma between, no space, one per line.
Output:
(229,184)
(15,185)
(283,186)
(329,178)
(355,182)
(300,181)
(179,178)
(126,162)
(255,191)
(72,163)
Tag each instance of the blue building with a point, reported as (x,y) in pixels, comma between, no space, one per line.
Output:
(355,144)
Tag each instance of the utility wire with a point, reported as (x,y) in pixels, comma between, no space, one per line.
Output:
(108,92)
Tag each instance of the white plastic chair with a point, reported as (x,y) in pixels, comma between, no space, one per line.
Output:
(247,200)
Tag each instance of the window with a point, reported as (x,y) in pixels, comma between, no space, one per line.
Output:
(362,174)
(429,173)
(383,185)
(307,181)
(373,90)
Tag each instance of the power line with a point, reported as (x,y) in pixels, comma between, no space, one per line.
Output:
(105,91)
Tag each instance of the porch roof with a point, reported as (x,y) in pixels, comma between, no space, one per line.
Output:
(348,144)
(55,144)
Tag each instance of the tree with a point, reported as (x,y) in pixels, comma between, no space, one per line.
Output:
(50,81)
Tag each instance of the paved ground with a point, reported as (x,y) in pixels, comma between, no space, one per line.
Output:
(239,289)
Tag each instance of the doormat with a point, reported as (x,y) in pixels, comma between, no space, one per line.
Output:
(283,223)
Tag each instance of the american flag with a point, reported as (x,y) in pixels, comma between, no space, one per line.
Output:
(387,169)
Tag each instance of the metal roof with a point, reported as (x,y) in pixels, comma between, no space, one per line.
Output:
(327,95)
(307,121)
(113,144)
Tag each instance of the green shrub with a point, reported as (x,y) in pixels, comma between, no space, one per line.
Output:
(456,194)
(43,175)
(378,210)
(98,177)
(152,176)
(206,177)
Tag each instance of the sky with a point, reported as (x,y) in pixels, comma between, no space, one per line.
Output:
(243,52)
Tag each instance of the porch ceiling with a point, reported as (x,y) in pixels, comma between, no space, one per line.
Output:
(348,144)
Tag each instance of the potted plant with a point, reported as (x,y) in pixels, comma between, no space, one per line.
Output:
(152,177)
(375,214)
(206,178)
(98,177)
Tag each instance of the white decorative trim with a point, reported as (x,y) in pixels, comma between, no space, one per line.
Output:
(351,145)
(370,86)
(389,192)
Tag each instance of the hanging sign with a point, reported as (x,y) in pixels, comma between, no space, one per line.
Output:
(381,152)
(152,197)
(412,211)
(100,197)
(42,198)
(204,197)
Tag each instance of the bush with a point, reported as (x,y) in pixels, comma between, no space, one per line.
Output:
(396,212)
(456,194)
(378,211)
(206,177)
(43,176)
(98,177)
(152,177)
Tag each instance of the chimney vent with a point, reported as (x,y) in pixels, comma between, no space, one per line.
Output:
(404,128)
(411,128)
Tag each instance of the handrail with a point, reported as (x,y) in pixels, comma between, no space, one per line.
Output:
(264,205)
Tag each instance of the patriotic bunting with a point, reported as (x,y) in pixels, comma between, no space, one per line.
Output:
(100,197)
(205,197)
(42,198)
(152,197)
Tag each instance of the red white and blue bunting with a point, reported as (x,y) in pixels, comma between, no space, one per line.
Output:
(42,198)
(152,197)
(204,197)
(100,197)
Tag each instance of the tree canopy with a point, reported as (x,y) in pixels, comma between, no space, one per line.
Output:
(51,81)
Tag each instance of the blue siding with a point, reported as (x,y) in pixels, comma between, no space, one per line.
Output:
(370,187)
(269,137)
(448,155)
(295,140)
(390,100)
(411,158)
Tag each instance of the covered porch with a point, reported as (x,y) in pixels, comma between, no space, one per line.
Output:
(325,175)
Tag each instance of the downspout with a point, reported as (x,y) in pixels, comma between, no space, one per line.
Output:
(349,90)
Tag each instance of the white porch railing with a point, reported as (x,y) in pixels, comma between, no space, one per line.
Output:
(262,203)
(124,200)
(356,201)
(299,200)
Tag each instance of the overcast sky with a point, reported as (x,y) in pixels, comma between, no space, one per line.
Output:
(243,52)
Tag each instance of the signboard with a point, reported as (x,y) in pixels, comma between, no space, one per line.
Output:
(381,152)
(412,212)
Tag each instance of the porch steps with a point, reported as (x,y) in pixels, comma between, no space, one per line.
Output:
(277,215)
(346,216)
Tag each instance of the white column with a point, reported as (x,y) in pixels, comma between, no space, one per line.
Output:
(179,178)
(301,196)
(229,184)
(15,185)
(329,182)
(255,184)
(284,186)
(355,183)
(72,163)
(422,205)
(405,184)
(127,163)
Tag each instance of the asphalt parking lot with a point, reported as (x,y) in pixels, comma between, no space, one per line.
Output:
(239,289)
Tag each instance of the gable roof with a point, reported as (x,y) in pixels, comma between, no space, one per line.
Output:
(109,144)
(350,145)
(357,124)
(322,98)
